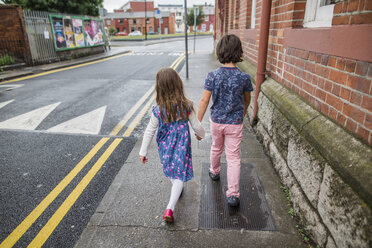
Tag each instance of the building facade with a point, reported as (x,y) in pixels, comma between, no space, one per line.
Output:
(327,70)
(178,11)
(138,6)
(208,24)
(209,17)
(312,110)
(132,17)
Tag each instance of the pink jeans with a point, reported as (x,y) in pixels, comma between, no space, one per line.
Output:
(231,136)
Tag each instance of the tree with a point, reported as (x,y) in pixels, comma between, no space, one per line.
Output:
(79,7)
(112,30)
(199,18)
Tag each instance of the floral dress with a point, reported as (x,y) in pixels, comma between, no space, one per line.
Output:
(174,147)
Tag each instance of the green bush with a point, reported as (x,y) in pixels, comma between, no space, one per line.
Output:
(6,60)
(112,30)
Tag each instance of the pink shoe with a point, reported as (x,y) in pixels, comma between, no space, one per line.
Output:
(168,216)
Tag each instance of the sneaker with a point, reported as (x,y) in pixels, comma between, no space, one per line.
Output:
(214,177)
(233,201)
(168,216)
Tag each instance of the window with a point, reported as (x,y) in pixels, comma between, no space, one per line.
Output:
(124,30)
(121,21)
(206,18)
(237,15)
(134,21)
(204,27)
(250,20)
(253,14)
(108,22)
(319,13)
(161,20)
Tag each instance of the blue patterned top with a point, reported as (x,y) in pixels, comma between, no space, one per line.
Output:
(228,85)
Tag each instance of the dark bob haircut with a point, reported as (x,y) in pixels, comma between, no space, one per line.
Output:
(229,49)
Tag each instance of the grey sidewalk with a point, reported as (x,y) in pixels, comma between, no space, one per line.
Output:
(130,214)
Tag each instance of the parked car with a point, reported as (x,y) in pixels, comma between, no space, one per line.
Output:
(152,33)
(135,33)
(121,34)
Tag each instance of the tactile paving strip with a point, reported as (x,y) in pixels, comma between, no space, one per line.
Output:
(253,212)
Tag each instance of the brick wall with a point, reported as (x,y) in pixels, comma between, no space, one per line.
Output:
(353,12)
(140,6)
(13,37)
(338,84)
(121,24)
(207,24)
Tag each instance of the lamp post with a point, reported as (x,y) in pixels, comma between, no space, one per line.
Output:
(196,13)
(186,53)
(145,22)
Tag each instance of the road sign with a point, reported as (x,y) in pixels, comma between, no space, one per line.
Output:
(158,14)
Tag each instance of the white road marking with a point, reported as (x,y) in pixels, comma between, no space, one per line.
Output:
(89,123)
(3,104)
(7,87)
(29,120)
(154,54)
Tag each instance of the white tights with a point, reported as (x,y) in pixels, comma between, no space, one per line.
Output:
(175,193)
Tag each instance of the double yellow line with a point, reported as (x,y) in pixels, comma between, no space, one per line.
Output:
(57,217)
(177,62)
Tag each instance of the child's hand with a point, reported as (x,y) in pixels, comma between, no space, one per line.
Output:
(197,137)
(143,159)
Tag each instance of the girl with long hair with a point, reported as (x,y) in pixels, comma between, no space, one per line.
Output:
(171,117)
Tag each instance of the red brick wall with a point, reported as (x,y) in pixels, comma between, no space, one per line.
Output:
(13,36)
(352,12)
(338,86)
(140,6)
(164,25)
(207,24)
(122,25)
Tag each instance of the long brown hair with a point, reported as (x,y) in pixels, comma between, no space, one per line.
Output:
(170,96)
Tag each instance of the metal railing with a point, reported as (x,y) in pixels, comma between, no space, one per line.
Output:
(40,36)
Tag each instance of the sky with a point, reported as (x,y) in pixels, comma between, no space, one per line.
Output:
(110,5)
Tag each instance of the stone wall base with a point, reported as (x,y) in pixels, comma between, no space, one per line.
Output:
(326,169)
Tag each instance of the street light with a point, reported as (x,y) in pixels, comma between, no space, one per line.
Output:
(145,22)
(196,13)
(187,53)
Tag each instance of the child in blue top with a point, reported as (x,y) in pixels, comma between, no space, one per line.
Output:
(171,117)
(230,89)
